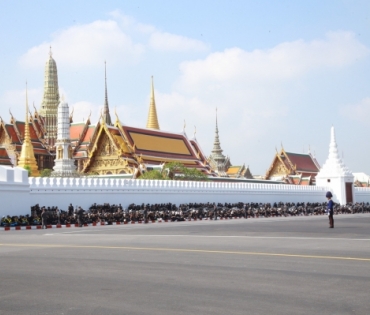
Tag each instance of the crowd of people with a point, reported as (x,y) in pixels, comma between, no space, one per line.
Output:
(170,212)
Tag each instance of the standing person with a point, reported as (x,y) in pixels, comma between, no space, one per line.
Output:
(44,217)
(214,211)
(70,209)
(80,214)
(330,209)
(57,212)
(145,215)
(245,211)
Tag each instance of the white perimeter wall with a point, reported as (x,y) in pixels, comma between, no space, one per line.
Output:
(86,191)
(14,191)
(362,194)
(18,192)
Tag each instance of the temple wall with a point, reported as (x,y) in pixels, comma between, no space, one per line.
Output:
(362,194)
(85,191)
(14,191)
(18,192)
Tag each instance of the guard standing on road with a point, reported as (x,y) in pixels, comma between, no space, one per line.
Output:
(214,211)
(330,209)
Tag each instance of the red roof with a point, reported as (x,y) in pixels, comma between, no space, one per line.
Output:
(4,158)
(12,133)
(89,134)
(303,162)
(76,130)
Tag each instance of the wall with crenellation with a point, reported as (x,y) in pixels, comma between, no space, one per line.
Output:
(14,191)
(18,192)
(85,191)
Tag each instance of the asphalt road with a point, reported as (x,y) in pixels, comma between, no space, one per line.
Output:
(255,266)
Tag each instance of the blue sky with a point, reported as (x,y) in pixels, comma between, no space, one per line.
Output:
(278,71)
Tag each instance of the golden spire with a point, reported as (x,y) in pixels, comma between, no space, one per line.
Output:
(152,121)
(27,157)
(106,115)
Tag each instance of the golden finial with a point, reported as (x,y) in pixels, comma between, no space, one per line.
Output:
(152,121)
(50,52)
(117,118)
(71,115)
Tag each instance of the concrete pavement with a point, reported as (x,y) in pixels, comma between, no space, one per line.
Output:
(255,266)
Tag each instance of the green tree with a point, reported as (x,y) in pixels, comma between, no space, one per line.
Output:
(154,174)
(175,171)
(45,172)
(28,169)
(194,175)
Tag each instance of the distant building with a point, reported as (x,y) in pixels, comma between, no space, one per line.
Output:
(221,164)
(361,180)
(293,168)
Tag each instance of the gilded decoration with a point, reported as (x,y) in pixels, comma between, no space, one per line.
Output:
(106,158)
(60,152)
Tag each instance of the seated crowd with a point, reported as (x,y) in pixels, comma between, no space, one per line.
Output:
(170,212)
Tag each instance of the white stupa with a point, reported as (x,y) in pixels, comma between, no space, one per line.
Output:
(64,162)
(335,175)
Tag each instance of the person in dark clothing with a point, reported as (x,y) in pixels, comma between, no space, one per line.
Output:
(145,215)
(214,211)
(80,214)
(44,217)
(330,209)
(70,209)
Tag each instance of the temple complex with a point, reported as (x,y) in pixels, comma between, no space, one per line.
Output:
(103,148)
(293,168)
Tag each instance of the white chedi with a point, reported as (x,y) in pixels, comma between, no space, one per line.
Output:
(334,165)
(64,162)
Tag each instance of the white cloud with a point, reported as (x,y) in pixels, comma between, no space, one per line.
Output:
(15,100)
(163,41)
(86,45)
(251,90)
(358,112)
(283,62)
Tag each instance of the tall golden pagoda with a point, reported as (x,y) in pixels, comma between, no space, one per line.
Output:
(152,122)
(27,157)
(50,101)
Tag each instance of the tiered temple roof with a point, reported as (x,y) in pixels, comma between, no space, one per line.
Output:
(293,168)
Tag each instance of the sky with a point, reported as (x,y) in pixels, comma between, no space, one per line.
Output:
(280,73)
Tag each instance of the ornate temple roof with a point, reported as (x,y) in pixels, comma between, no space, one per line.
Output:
(302,162)
(295,168)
